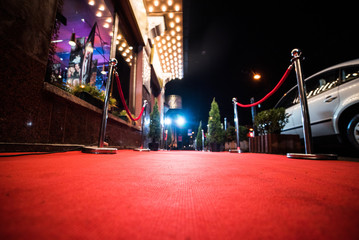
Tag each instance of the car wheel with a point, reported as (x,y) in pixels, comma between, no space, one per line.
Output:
(353,131)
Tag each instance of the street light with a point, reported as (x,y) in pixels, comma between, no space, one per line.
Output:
(168,121)
(180,121)
(256,76)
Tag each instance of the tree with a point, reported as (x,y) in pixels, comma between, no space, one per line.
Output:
(155,124)
(215,131)
(199,136)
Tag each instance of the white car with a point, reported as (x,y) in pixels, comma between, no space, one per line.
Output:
(333,102)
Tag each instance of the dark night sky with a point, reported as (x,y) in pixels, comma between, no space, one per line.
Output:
(225,43)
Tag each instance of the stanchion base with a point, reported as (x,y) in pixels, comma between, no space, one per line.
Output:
(312,156)
(99,150)
(234,150)
(141,149)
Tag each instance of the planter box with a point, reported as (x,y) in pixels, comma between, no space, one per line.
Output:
(275,143)
(153,146)
(233,146)
(90,99)
(215,147)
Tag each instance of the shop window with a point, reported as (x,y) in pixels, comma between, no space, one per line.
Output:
(81,45)
(80,51)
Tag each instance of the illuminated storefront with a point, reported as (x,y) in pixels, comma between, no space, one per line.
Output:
(145,36)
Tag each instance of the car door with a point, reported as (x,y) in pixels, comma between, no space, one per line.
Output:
(288,101)
(323,99)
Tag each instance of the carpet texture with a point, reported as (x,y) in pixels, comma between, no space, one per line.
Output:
(177,195)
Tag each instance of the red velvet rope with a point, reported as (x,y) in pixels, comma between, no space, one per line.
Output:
(281,81)
(124,101)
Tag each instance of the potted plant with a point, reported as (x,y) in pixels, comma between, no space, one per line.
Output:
(199,137)
(215,131)
(155,128)
(92,95)
(269,124)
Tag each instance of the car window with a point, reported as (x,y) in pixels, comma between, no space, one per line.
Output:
(350,73)
(321,83)
(289,99)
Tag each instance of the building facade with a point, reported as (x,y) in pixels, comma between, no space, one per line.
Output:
(54,68)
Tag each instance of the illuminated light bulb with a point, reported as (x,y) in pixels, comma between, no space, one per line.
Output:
(130,47)
(106,25)
(257,76)
(99,14)
(163,8)
(91,2)
(150,9)
(168,38)
(123,44)
(128,60)
(101,8)
(163,41)
(171,15)
(111,34)
(179,44)
(156,3)
(127,50)
(117,42)
(159,44)
(177,8)
(109,20)
(72,41)
(177,19)
(178,29)
(120,48)
(173,33)
(173,41)
(178,38)
(103,72)
(169,44)
(172,24)
(119,36)
(169,2)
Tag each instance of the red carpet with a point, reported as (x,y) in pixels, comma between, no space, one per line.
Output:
(177,195)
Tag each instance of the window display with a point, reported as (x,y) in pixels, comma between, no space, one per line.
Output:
(83,44)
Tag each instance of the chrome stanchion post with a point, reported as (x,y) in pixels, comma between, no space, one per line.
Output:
(254,113)
(307,131)
(234,100)
(141,149)
(113,64)
(100,148)
(202,140)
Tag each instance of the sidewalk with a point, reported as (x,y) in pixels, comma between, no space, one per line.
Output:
(177,195)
